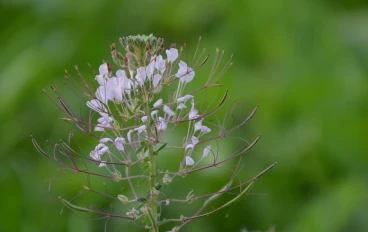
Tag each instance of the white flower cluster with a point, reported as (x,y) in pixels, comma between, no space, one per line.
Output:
(127,91)
(132,116)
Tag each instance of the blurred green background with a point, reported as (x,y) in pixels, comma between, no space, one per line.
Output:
(304,62)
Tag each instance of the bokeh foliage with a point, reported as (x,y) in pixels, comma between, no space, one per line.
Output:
(304,62)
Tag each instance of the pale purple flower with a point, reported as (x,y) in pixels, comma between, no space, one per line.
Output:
(205,129)
(195,140)
(103,71)
(155,80)
(185,73)
(158,103)
(150,69)
(162,125)
(97,106)
(189,161)
(141,75)
(198,125)
(193,112)
(168,111)
(101,94)
(153,113)
(172,54)
(101,149)
(181,106)
(141,129)
(144,119)
(98,152)
(105,140)
(103,122)
(160,64)
(124,83)
(184,99)
(119,142)
(206,150)
(95,156)
(129,135)
(113,89)
(189,146)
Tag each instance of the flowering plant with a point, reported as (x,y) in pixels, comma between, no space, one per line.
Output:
(132,118)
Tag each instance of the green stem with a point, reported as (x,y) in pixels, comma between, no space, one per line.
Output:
(153,201)
(152,166)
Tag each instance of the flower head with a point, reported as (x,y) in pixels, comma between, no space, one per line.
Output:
(134,110)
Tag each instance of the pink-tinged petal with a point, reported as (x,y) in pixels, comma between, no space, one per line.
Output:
(172,54)
(189,161)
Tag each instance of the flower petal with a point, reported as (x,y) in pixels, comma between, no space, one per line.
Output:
(172,54)
(155,80)
(189,161)
(206,150)
(158,103)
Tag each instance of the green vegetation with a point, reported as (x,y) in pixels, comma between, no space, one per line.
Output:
(304,62)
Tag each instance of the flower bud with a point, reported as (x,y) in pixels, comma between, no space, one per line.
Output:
(166,180)
(123,199)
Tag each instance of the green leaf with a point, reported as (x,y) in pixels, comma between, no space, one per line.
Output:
(142,200)
(139,150)
(160,148)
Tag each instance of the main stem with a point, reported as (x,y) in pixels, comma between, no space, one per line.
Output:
(153,201)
